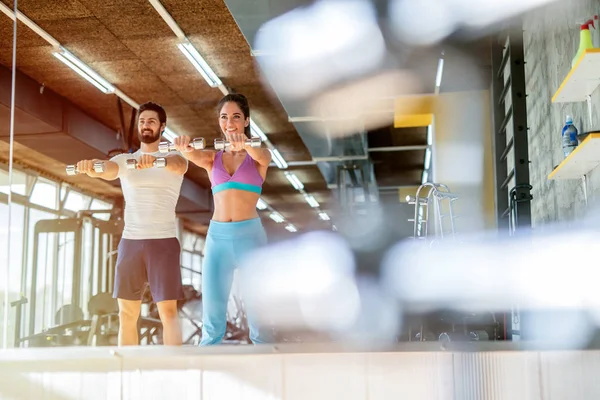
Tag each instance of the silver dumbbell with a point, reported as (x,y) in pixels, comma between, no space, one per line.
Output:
(160,162)
(98,168)
(220,144)
(196,144)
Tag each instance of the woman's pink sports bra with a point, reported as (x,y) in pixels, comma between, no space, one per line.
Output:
(246,177)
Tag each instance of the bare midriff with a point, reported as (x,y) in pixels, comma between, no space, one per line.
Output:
(235,205)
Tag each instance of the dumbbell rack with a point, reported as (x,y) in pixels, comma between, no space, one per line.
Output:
(439,196)
(448,325)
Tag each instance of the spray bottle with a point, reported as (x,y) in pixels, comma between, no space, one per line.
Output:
(585,40)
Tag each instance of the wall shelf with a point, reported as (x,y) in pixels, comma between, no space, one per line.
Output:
(581,161)
(582,80)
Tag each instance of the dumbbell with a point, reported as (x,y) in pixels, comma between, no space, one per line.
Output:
(160,162)
(98,168)
(220,144)
(196,144)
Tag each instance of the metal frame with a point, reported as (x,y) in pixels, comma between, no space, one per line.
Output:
(346,197)
(513,204)
(508,51)
(75,225)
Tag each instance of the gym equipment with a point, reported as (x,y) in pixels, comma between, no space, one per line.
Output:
(196,144)
(434,210)
(220,144)
(160,162)
(98,168)
(436,194)
(90,270)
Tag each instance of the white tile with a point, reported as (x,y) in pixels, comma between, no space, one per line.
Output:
(245,377)
(408,375)
(570,375)
(504,375)
(325,376)
(16,385)
(178,384)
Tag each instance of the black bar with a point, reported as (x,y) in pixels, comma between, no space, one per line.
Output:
(507,86)
(499,137)
(508,178)
(509,146)
(521,145)
(503,58)
(506,119)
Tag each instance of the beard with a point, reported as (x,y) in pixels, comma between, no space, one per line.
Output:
(148,136)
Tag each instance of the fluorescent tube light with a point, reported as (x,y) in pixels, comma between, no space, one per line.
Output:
(311,200)
(256,131)
(429,135)
(198,62)
(425,176)
(291,228)
(84,71)
(275,216)
(261,204)
(438,76)
(294,181)
(169,135)
(427,158)
(279,161)
(323,216)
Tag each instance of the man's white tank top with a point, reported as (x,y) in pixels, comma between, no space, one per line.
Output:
(150,199)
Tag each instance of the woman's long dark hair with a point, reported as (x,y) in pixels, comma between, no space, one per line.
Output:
(242,103)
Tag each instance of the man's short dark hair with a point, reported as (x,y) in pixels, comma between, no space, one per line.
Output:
(150,106)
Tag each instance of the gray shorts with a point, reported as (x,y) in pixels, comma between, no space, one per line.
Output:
(152,261)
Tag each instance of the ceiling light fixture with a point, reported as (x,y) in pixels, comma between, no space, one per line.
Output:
(169,135)
(261,204)
(310,199)
(291,228)
(323,216)
(83,70)
(256,131)
(275,216)
(278,159)
(198,62)
(294,180)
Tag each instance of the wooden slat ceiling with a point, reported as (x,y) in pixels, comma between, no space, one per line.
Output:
(130,45)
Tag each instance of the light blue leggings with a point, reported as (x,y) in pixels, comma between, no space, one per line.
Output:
(226,244)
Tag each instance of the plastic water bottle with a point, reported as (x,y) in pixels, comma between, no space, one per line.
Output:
(569,136)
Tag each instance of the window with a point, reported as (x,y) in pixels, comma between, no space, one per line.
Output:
(44,273)
(101,205)
(45,194)
(15,263)
(77,201)
(19,182)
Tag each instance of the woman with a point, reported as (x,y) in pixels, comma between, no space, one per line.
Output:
(236,174)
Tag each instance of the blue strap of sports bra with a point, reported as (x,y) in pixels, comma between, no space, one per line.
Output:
(236,185)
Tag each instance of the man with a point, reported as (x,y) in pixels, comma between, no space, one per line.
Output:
(149,251)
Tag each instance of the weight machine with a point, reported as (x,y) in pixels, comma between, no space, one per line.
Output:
(434,212)
(70,278)
(69,301)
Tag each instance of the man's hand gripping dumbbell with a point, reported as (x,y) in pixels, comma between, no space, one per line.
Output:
(86,167)
(146,161)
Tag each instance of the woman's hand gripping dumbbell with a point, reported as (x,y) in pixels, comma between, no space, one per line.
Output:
(183,143)
(221,144)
